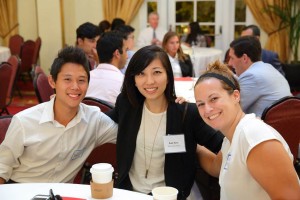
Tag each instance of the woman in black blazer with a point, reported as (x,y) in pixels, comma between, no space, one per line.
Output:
(148,117)
(171,44)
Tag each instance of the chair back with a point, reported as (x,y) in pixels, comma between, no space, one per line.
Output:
(4,124)
(27,53)
(36,53)
(103,105)
(105,153)
(42,88)
(5,76)
(15,43)
(14,61)
(284,116)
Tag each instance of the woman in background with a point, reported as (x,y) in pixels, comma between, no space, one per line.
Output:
(195,36)
(181,63)
(255,162)
(150,122)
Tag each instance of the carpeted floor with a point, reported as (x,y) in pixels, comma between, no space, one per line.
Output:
(27,100)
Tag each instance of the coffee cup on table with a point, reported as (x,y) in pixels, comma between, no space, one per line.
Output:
(164,193)
(102,182)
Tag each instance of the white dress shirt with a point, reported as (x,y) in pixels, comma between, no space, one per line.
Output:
(39,149)
(146,36)
(175,66)
(105,83)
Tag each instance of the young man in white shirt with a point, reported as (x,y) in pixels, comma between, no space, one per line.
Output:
(107,79)
(50,142)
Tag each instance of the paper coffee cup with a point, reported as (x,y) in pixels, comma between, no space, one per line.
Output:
(102,173)
(165,193)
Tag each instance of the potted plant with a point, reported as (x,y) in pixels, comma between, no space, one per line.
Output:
(289,13)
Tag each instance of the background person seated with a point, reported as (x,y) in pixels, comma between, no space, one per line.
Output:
(153,34)
(128,32)
(195,36)
(87,35)
(106,79)
(266,55)
(181,63)
(261,84)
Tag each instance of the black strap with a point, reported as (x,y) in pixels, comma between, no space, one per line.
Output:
(184,112)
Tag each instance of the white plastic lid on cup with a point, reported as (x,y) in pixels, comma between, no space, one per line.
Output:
(102,172)
(165,193)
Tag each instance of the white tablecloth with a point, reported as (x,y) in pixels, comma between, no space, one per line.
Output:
(184,87)
(25,191)
(4,54)
(201,57)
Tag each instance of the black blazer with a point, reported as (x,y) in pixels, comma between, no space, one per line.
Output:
(179,168)
(186,66)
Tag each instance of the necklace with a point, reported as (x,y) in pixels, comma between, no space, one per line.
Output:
(147,168)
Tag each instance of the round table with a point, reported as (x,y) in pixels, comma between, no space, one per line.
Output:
(4,54)
(29,190)
(202,56)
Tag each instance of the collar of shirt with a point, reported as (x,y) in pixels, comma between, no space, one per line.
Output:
(107,66)
(48,114)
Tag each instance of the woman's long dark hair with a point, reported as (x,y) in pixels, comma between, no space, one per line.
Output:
(139,61)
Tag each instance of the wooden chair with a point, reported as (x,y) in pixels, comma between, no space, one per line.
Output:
(105,153)
(284,116)
(5,77)
(15,43)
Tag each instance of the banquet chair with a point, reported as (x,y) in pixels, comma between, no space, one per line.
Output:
(105,153)
(36,53)
(42,88)
(5,76)
(284,116)
(103,105)
(15,43)
(27,53)
(4,124)
(14,61)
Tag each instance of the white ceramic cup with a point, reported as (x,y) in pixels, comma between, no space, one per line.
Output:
(165,193)
(102,173)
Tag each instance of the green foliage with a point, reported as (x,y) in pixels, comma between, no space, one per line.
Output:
(289,13)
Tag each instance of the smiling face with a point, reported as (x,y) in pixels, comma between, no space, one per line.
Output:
(152,81)
(217,108)
(71,86)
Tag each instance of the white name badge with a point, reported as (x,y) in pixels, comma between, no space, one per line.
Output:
(174,143)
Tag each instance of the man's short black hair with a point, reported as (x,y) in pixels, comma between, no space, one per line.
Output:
(108,43)
(125,30)
(254,28)
(117,22)
(87,30)
(69,55)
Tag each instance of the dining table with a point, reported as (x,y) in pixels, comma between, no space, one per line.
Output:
(184,87)
(68,191)
(202,56)
(4,54)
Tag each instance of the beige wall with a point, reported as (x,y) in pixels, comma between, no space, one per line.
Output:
(27,19)
(49,29)
(43,18)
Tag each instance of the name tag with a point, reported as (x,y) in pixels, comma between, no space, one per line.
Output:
(174,143)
